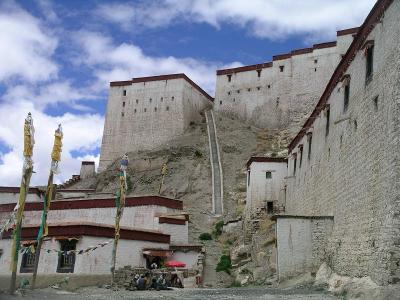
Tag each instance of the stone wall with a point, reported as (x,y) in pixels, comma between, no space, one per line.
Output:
(353,172)
(301,244)
(145,113)
(286,90)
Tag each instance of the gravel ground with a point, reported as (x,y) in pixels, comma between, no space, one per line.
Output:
(187,294)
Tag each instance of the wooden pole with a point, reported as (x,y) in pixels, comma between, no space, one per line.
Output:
(47,199)
(163,173)
(43,231)
(24,189)
(120,204)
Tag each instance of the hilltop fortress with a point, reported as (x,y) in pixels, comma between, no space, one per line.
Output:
(144,113)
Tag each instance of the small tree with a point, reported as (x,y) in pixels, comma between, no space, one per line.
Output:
(224,264)
(205,236)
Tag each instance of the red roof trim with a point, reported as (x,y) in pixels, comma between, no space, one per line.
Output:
(175,221)
(265,159)
(244,68)
(94,230)
(163,77)
(281,56)
(86,162)
(98,203)
(15,190)
(362,34)
(347,31)
(325,45)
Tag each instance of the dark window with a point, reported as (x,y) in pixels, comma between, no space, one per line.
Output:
(295,165)
(328,116)
(346,97)
(66,259)
(229,93)
(376,103)
(301,156)
(134,111)
(137,101)
(258,88)
(234,99)
(281,68)
(258,73)
(248,177)
(315,61)
(229,78)
(155,108)
(238,91)
(268,175)
(315,69)
(167,108)
(28,261)
(270,207)
(220,102)
(309,146)
(145,109)
(162,99)
(269,86)
(370,63)
(355,125)
(150,100)
(248,89)
(124,92)
(123,104)
(172,98)
(122,114)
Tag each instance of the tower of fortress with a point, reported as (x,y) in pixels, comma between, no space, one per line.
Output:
(147,112)
(144,113)
(282,93)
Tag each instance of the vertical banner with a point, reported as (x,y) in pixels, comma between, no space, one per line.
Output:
(120,204)
(54,169)
(29,142)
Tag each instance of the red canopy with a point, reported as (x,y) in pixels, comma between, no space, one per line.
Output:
(175,263)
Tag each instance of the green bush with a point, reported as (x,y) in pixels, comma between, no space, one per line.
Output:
(205,236)
(198,153)
(218,228)
(224,264)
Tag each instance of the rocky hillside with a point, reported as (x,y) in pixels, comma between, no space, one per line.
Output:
(189,177)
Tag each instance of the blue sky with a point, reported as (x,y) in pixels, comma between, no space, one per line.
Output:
(57,57)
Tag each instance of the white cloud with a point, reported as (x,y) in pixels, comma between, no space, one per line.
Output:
(81,133)
(272,19)
(48,94)
(25,47)
(111,62)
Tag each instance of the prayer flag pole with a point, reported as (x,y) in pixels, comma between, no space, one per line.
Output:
(27,170)
(164,170)
(43,230)
(120,204)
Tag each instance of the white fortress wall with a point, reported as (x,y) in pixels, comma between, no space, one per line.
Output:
(353,172)
(280,93)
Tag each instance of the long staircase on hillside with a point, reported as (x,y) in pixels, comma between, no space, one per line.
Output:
(215,165)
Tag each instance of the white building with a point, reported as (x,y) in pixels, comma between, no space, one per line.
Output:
(153,228)
(265,184)
(147,112)
(280,94)
(344,163)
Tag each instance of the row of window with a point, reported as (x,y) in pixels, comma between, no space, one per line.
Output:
(144,110)
(150,99)
(369,54)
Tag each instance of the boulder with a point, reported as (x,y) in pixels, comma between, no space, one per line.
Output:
(323,275)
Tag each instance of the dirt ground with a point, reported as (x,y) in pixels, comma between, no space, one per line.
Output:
(187,294)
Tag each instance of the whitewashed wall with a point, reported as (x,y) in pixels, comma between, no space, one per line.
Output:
(260,189)
(353,173)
